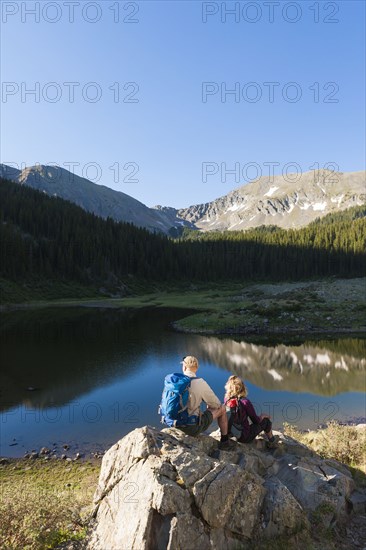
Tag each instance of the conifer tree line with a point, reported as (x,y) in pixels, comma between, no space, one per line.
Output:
(51,238)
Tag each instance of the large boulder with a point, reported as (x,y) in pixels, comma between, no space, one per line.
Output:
(165,490)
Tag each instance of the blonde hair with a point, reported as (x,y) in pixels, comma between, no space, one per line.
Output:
(235,387)
(190,362)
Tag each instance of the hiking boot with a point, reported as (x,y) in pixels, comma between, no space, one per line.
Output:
(227,445)
(274,443)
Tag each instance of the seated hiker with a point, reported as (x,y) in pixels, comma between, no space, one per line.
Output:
(241,409)
(189,417)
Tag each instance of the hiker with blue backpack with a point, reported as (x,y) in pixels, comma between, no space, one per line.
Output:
(181,403)
(241,410)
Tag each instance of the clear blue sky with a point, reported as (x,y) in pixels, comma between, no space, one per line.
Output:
(169,52)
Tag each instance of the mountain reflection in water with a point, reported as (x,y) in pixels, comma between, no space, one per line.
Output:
(321,368)
(110,364)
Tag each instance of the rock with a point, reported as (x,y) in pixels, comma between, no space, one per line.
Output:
(185,528)
(293,447)
(166,490)
(33,455)
(281,511)
(228,497)
(4,461)
(44,451)
(312,482)
(358,502)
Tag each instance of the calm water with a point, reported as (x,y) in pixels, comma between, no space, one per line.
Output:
(97,374)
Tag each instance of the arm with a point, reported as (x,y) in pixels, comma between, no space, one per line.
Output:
(208,396)
(251,412)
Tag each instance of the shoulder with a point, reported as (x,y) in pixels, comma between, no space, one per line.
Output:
(198,381)
(200,384)
(245,401)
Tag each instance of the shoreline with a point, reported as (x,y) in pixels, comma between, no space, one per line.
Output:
(291,331)
(67,455)
(333,307)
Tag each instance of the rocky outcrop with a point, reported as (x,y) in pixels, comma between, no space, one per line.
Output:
(166,490)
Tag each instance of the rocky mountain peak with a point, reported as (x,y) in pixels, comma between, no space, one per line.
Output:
(291,201)
(287,201)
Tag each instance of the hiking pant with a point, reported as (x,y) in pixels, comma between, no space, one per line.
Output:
(255,429)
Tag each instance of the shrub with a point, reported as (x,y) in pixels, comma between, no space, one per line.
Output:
(344,443)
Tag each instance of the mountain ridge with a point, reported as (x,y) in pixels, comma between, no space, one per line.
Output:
(98,199)
(275,200)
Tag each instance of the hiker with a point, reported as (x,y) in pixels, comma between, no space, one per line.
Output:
(241,409)
(188,416)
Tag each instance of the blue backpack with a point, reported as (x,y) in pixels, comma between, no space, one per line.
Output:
(174,401)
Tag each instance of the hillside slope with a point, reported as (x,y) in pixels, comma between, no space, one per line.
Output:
(279,202)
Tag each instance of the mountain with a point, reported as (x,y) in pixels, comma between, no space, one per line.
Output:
(277,201)
(266,201)
(99,199)
(49,239)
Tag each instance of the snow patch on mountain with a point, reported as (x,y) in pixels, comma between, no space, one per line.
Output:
(271,191)
(320,206)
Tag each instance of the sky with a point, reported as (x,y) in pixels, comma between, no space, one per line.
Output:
(179,102)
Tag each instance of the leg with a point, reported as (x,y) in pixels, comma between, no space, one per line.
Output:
(255,429)
(196,429)
(230,425)
(221,416)
(266,425)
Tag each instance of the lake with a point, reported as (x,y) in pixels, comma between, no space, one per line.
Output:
(86,377)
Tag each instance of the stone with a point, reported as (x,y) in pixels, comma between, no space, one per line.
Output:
(358,502)
(162,490)
(44,451)
(312,483)
(281,511)
(186,531)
